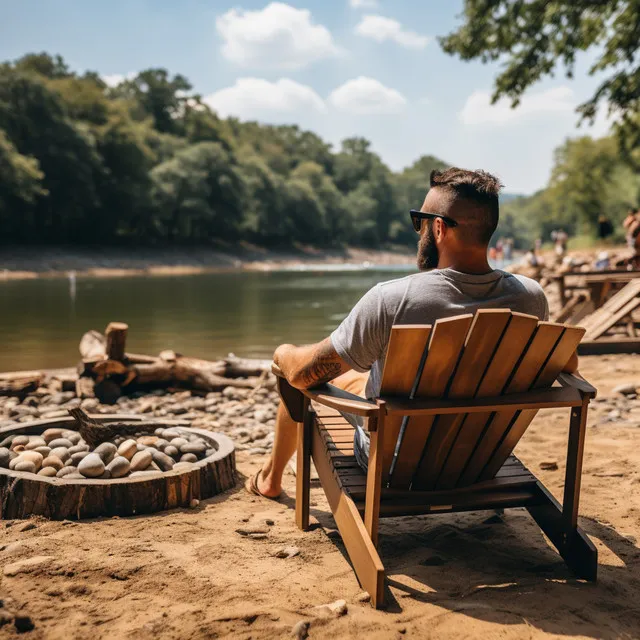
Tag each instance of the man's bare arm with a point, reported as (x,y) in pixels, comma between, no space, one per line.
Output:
(311,365)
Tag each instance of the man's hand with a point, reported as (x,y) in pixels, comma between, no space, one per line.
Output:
(309,366)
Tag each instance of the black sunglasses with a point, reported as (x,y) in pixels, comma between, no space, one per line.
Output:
(418,216)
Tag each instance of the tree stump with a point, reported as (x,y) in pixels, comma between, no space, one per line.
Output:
(23,495)
(116,335)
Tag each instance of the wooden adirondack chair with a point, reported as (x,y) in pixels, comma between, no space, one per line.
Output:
(455,400)
(618,310)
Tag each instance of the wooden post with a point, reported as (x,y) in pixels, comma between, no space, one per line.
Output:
(116,335)
(573,475)
(374,474)
(303,462)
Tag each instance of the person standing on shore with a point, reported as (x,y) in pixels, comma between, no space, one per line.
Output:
(459,216)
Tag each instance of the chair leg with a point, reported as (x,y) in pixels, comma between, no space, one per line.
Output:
(303,470)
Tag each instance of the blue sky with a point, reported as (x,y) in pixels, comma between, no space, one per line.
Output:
(374,69)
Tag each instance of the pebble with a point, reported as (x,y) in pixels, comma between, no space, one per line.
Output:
(178,442)
(20,440)
(625,389)
(91,466)
(170,434)
(128,449)
(5,457)
(337,608)
(197,448)
(75,476)
(119,467)
(78,456)
(161,443)
(48,472)
(66,471)
(107,451)
(52,434)
(53,461)
(149,441)
(300,629)
(35,442)
(28,456)
(194,503)
(29,467)
(365,596)
(287,552)
(182,466)
(549,465)
(141,460)
(45,451)
(164,461)
(61,452)
(170,450)
(77,448)
(189,457)
(60,442)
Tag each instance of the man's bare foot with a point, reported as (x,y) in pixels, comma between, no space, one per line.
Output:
(257,485)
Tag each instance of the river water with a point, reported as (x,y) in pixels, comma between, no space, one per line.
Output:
(207,316)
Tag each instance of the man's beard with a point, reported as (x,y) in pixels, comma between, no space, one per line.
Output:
(427,251)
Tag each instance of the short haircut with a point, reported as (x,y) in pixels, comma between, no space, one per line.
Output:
(480,190)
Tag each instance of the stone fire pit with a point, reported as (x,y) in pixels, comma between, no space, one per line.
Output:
(154,481)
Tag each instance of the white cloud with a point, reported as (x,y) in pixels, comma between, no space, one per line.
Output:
(114,79)
(255,98)
(366,96)
(380,29)
(479,110)
(363,4)
(278,36)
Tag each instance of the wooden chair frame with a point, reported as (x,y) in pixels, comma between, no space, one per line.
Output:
(357,516)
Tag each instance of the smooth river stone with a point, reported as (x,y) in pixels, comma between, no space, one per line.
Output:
(34,443)
(188,457)
(74,436)
(91,466)
(107,451)
(27,456)
(45,451)
(178,442)
(118,467)
(20,440)
(77,448)
(194,447)
(48,472)
(141,460)
(148,441)
(60,442)
(183,466)
(25,465)
(75,476)
(18,448)
(128,449)
(65,471)
(78,456)
(164,461)
(5,457)
(170,450)
(60,452)
(170,433)
(160,432)
(52,434)
(53,461)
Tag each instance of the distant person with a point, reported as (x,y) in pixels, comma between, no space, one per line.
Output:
(500,249)
(560,238)
(631,225)
(602,261)
(493,254)
(605,228)
(531,259)
(508,249)
(538,244)
(459,216)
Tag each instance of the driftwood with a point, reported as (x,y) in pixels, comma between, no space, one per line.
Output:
(20,383)
(106,369)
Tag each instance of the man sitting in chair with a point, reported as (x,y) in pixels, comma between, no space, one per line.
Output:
(456,222)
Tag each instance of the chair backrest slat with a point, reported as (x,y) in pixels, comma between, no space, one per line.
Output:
(407,345)
(472,425)
(447,340)
(482,341)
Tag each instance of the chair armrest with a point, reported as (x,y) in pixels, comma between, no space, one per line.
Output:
(576,381)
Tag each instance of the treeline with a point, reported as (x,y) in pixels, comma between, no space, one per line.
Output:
(147,160)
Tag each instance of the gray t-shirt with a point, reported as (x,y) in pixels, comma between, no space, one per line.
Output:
(361,339)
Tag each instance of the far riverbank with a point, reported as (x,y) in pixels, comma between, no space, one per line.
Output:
(25,263)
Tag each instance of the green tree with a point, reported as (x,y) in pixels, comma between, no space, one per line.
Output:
(533,37)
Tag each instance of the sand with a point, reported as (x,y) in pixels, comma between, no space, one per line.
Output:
(189,574)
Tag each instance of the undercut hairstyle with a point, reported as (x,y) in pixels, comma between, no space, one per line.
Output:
(479,190)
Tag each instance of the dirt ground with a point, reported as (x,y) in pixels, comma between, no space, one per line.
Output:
(189,574)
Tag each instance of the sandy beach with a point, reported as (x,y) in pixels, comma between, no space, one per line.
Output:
(190,574)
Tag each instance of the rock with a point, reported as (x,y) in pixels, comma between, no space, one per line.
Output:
(148,441)
(23,623)
(189,457)
(287,552)
(34,443)
(91,466)
(300,629)
(182,466)
(5,457)
(25,526)
(128,449)
(178,442)
(48,472)
(170,450)
(26,566)
(252,531)
(45,451)
(107,451)
(337,608)
(61,452)
(161,443)
(53,461)
(196,448)
(73,436)
(625,389)
(27,456)
(261,415)
(18,448)
(614,415)
(60,442)
(66,471)
(78,448)
(169,434)
(75,476)
(141,460)
(269,522)
(119,467)
(194,503)
(53,433)
(549,465)
(363,597)
(164,461)
(77,457)
(20,440)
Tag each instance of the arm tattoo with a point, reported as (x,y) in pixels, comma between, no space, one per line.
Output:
(324,366)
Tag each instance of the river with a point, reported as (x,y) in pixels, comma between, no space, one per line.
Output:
(207,316)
